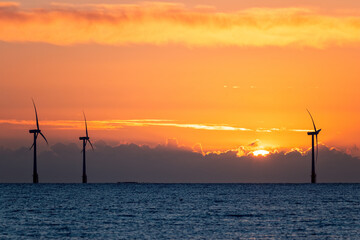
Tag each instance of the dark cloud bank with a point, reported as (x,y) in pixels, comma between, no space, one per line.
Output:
(168,164)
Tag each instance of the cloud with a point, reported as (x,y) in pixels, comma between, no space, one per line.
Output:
(169,23)
(114,124)
(9,5)
(172,143)
(198,148)
(117,124)
(271,129)
(203,126)
(131,162)
(300,130)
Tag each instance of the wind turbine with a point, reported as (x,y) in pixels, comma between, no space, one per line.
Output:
(314,133)
(85,140)
(36,132)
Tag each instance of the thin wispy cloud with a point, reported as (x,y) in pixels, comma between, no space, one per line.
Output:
(159,23)
(269,130)
(117,124)
(301,130)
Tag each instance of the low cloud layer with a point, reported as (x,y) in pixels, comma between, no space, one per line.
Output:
(168,23)
(174,164)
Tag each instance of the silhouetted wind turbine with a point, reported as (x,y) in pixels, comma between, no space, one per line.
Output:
(315,133)
(36,132)
(85,140)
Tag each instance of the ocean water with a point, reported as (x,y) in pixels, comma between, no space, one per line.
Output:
(180,211)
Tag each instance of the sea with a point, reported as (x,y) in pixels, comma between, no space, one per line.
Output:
(179,211)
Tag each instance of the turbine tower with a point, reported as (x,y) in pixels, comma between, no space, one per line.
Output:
(85,140)
(314,133)
(36,132)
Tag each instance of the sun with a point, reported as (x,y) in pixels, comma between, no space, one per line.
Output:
(260,152)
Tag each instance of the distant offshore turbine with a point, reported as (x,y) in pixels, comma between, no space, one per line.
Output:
(85,140)
(36,132)
(312,134)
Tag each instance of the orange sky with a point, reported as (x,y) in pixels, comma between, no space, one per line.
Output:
(222,76)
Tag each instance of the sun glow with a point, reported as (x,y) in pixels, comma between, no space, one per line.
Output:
(260,152)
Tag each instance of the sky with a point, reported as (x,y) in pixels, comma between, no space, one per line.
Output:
(208,76)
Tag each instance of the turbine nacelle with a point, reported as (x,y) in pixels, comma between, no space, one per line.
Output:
(314,133)
(35,131)
(84,138)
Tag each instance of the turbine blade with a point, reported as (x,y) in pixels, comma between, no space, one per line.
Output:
(37,120)
(91,145)
(31,146)
(312,119)
(44,138)
(87,135)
